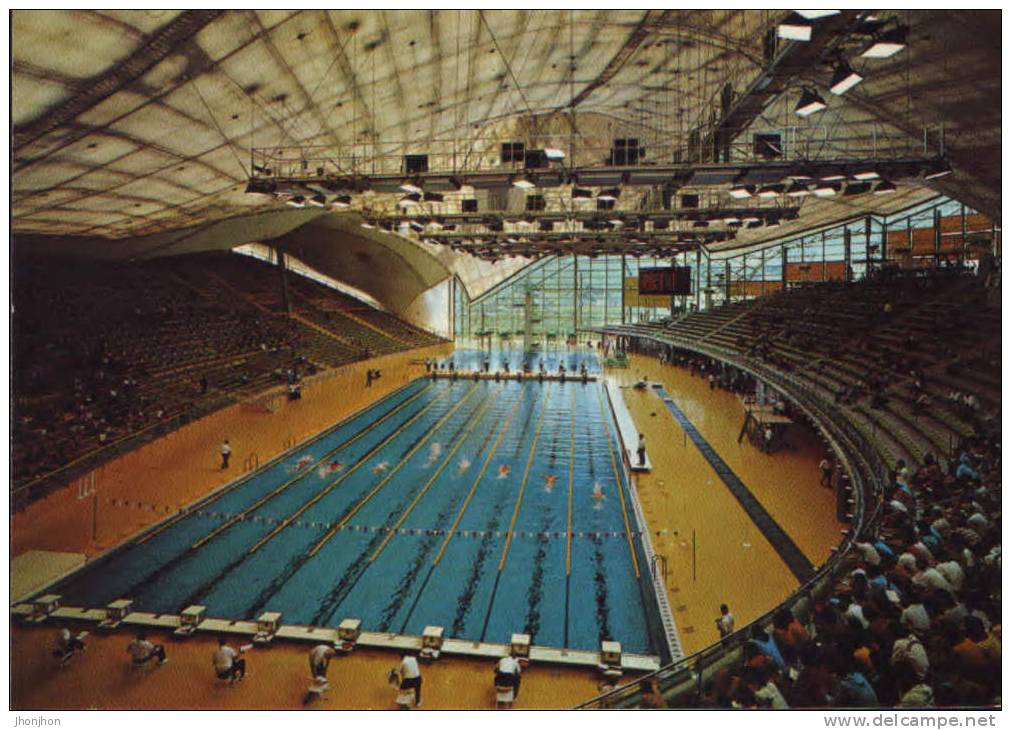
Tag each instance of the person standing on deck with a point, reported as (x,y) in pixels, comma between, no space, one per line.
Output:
(226,453)
(507,682)
(768,439)
(725,623)
(410,676)
(319,660)
(826,472)
(641,450)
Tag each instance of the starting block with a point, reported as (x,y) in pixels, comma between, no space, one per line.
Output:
(519,646)
(115,612)
(610,660)
(266,627)
(348,632)
(43,606)
(189,619)
(431,642)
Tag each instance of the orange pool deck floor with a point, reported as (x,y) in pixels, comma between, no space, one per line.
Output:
(734,563)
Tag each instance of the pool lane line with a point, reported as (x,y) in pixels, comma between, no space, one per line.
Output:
(242,481)
(608,422)
(174,562)
(357,569)
(385,480)
(301,475)
(568,533)
(526,475)
(572,473)
(781,542)
(480,476)
(411,581)
(351,470)
(516,510)
(475,420)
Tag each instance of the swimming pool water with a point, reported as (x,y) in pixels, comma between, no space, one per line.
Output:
(445,503)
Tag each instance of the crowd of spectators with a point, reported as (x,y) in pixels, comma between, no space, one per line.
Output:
(914,619)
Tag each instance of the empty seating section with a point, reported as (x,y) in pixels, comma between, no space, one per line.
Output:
(899,354)
(105,351)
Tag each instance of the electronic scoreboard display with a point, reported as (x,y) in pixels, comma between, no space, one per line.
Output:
(673,280)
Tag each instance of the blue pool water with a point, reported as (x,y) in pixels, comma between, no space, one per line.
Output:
(446,503)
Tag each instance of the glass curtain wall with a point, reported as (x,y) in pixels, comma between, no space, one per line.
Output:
(564,296)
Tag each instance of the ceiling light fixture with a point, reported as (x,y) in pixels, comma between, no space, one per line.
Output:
(887,43)
(410,187)
(816,14)
(866,175)
(318,201)
(523,182)
(844,78)
(554,154)
(297,201)
(826,190)
(884,187)
(796,190)
(810,102)
(582,193)
(342,201)
(794,28)
(740,192)
(410,200)
(609,194)
(771,191)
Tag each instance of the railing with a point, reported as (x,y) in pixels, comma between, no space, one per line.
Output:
(484,154)
(682,682)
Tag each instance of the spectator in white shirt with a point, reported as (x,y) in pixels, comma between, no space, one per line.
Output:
(142,650)
(725,623)
(228,664)
(410,676)
(909,649)
(226,452)
(507,682)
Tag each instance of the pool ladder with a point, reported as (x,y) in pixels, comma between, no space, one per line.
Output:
(658,561)
(251,462)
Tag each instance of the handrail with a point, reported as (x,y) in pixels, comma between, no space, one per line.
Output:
(867,478)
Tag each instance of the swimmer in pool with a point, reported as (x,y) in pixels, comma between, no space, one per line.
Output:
(380,467)
(503,471)
(549,482)
(464,465)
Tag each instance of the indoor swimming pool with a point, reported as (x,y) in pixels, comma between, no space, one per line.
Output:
(484,507)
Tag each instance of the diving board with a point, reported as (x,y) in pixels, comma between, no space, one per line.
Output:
(627,430)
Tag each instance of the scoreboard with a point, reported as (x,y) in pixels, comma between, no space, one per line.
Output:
(671,280)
